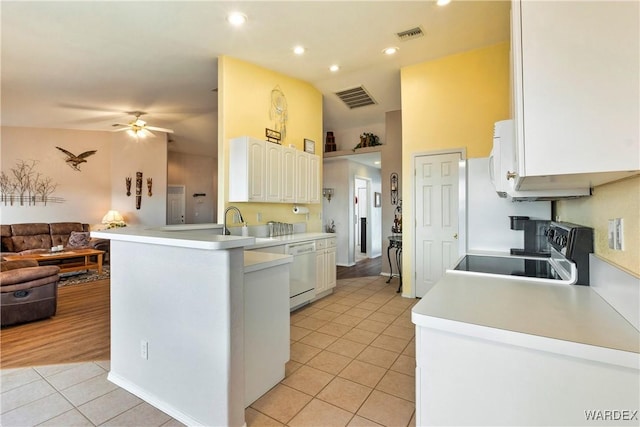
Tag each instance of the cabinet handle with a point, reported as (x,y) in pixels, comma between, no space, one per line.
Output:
(511,175)
(455,236)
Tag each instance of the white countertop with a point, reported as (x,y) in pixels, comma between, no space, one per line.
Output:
(201,236)
(265,242)
(197,238)
(503,309)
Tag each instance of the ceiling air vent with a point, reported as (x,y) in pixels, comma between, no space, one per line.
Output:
(411,34)
(356,97)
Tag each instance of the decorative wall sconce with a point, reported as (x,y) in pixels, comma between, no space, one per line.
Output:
(138,189)
(327,193)
(127,181)
(149,185)
(394,188)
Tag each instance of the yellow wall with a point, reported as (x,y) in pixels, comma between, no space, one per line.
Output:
(450,103)
(244,100)
(619,199)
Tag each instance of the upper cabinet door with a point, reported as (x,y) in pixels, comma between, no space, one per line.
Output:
(302,177)
(576,85)
(314,179)
(273,173)
(288,175)
(246,170)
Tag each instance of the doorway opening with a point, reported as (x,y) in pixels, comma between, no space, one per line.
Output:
(362,223)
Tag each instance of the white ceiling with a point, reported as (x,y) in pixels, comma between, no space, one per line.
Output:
(85,64)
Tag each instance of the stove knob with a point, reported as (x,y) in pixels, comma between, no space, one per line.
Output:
(563,241)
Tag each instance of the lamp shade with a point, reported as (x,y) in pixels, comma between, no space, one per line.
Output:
(111,217)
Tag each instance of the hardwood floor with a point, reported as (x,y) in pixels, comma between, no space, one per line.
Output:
(79,332)
(364,268)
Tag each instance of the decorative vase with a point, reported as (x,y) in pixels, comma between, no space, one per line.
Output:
(330,144)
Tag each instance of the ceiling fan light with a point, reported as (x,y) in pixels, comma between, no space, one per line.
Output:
(131,133)
(140,123)
(236,18)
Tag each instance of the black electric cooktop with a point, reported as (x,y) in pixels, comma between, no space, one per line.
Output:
(508,266)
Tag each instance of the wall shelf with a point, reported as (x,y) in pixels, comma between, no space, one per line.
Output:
(364,150)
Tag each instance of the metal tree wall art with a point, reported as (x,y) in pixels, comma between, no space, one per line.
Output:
(278,112)
(73,160)
(25,185)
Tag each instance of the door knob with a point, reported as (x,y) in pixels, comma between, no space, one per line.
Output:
(455,236)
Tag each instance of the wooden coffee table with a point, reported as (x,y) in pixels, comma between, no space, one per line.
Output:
(85,254)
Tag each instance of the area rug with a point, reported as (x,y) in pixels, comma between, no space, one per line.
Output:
(89,276)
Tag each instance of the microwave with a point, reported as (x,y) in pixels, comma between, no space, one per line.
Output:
(503,168)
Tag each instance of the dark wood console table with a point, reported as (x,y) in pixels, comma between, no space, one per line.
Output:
(395,242)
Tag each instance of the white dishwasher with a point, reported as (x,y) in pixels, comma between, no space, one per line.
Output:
(302,276)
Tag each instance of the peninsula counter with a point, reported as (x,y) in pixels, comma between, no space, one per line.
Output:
(177,321)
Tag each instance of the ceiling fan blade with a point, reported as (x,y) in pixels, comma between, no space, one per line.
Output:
(121,129)
(147,132)
(159,129)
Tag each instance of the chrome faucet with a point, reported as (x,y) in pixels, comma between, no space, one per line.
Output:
(225,230)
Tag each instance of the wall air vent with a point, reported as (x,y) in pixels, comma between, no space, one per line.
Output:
(356,97)
(411,34)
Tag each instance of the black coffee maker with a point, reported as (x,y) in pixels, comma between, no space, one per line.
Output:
(535,240)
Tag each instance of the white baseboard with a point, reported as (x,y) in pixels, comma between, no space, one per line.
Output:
(153,400)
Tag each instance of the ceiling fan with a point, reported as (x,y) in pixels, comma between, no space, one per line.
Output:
(138,127)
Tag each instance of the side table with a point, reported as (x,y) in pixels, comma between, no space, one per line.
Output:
(395,242)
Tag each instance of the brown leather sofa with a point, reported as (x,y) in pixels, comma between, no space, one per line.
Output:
(27,291)
(41,237)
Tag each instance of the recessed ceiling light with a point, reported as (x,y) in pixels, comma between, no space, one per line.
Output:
(443,2)
(236,18)
(390,50)
(334,68)
(299,50)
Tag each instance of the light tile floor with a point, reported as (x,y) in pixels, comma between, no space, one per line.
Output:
(352,363)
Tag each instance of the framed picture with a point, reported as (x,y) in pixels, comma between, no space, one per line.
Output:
(309,146)
(376,200)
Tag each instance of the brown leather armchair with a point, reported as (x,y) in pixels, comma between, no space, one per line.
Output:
(27,291)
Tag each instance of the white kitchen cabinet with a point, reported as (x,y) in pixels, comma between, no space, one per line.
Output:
(247,170)
(575,87)
(314,179)
(260,171)
(302,177)
(325,266)
(288,175)
(273,173)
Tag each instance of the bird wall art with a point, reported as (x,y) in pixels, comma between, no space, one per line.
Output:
(75,161)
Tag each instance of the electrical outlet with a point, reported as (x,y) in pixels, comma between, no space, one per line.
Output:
(611,234)
(619,233)
(615,234)
(144,350)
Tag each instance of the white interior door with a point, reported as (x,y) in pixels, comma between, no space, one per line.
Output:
(436,204)
(175,204)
